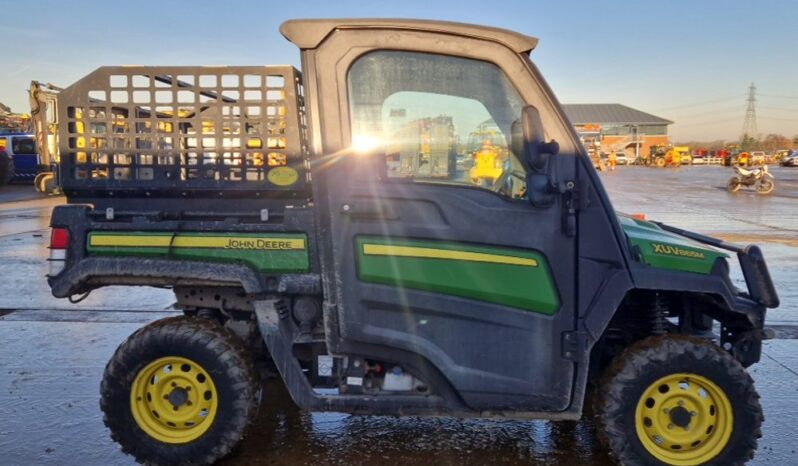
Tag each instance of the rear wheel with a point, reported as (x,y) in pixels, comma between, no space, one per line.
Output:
(6,168)
(179,391)
(678,400)
(765,186)
(734,184)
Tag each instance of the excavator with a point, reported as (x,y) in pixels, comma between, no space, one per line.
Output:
(44,119)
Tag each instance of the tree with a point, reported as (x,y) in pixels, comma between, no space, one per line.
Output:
(774,142)
(748,143)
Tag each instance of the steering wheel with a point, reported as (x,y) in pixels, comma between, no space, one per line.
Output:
(503,186)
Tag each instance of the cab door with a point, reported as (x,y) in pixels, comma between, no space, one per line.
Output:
(432,250)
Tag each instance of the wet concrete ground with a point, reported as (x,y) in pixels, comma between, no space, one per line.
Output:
(52,353)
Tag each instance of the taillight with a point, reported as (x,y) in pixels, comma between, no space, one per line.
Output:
(59,242)
(59,238)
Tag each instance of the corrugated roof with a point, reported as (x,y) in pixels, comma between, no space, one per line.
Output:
(606,114)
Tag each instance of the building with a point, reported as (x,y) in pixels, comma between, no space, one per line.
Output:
(609,127)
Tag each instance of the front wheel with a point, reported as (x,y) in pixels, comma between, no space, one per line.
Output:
(678,400)
(734,184)
(179,391)
(765,186)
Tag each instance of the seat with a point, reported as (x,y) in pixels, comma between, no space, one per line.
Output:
(745,171)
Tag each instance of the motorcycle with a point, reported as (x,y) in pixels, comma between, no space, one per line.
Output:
(759,178)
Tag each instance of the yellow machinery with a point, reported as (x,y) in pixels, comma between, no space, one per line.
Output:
(44,119)
(685,157)
(663,156)
(489,152)
(488,165)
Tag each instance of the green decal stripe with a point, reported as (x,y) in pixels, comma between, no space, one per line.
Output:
(665,250)
(510,277)
(675,256)
(273,252)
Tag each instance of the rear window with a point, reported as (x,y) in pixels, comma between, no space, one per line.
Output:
(23,145)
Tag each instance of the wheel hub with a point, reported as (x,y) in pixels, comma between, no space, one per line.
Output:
(680,416)
(173,399)
(178,397)
(684,419)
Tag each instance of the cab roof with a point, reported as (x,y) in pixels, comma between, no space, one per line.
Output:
(309,33)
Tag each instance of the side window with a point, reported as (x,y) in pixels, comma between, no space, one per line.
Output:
(23,145)
(439,119)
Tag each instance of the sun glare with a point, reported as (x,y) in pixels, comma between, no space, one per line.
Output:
(362,144)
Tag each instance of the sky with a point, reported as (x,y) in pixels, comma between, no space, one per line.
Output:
(688,61)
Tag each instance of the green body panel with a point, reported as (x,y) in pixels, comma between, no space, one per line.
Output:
(665,250)
(261,259)
(527,287)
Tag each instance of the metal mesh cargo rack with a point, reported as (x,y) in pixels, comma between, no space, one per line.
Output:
(184,131)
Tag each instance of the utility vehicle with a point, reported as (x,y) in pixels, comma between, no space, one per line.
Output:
(272,203)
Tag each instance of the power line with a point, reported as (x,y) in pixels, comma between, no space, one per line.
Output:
(710,122)
(784,109)
(736,109)
(779,119)
(699,104)
(780,96)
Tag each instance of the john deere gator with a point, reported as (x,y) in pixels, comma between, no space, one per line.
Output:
(263,197)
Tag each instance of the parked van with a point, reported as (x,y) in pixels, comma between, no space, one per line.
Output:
(22,149)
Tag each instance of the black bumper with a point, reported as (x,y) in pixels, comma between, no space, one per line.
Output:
(752,261)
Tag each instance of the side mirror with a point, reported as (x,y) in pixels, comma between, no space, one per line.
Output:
(536,151)
(539,181)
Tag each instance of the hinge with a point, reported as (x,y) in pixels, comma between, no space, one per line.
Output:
(575,192)
(574,345)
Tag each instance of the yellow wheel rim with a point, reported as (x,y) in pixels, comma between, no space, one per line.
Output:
(173,400)
(684,419)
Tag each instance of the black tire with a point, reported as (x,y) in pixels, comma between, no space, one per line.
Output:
(6,168)
(646,362)
(734,184)
(218,353)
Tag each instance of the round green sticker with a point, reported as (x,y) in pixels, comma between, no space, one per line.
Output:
(283,176)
